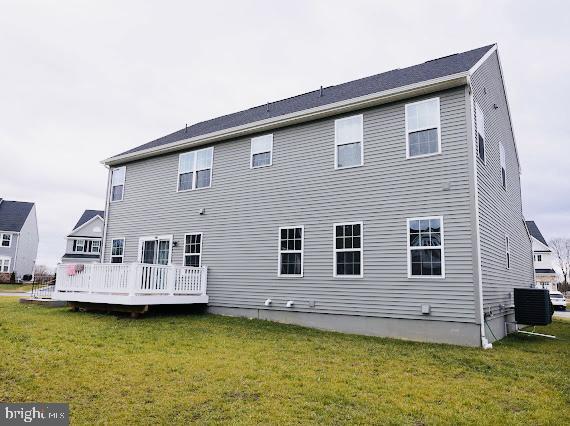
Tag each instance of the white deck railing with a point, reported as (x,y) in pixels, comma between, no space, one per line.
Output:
(129,283)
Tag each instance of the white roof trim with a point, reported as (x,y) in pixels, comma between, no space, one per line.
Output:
(335,108)
(85,224)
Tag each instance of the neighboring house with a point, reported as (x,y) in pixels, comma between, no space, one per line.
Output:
(84,242)
(388,206)
(18,239)
(544,275)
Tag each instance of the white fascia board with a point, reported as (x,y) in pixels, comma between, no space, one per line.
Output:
(85,224)
(416,89)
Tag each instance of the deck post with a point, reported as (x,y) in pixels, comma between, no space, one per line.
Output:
(203,279)
(133,278)
(171,279)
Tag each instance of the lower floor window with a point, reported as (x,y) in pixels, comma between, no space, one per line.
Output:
(291,251)
(193,250)
(117,250)
(5,264)
(425,247)
(348,249)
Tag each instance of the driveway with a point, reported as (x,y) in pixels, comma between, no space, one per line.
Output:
(562,314)
(14,294)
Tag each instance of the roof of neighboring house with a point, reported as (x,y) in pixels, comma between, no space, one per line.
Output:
(87,216)
(545,271)
(535,232)
(13,214)
(80,256)
(436,68)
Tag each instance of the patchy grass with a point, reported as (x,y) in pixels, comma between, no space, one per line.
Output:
(200,368)
(16,288)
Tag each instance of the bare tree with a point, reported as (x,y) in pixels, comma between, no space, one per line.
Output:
(42,274)
(561,249)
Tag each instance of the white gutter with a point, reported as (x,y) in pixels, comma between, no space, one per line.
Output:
(391,95)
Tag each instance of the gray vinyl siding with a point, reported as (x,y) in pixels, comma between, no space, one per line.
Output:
(500,211)
(245,207)
(24,247)
(10,251)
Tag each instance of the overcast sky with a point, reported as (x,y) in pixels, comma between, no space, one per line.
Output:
(83,80)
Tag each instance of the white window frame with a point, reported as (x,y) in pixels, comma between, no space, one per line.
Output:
(335,250)
(441,247)
(5,261)
(83,244)
(539,257)
(2,240)
(408,131)
(93,243)
(480,124)
(337,144)
(124,168)
(184,254)
(503,160)
(252,153)
(154,238)
(507,252)
(194,170)
(280,251)
(122,256)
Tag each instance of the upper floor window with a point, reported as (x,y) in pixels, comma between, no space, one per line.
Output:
(79,245)
(6,240)
(423,134)
(195,169)
(118,183)
(539,257)
(349,142)
(193,250)
(96,246)
(503,165)
(261,151)
(480,122)
(348,250)
(5,264)
(117,250)
(425,247)
(87,246)
(291,241)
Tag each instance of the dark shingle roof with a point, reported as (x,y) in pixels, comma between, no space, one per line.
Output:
(448,65)
(80,256)
(87,216)
(13,215)
(535,232)
(545,271)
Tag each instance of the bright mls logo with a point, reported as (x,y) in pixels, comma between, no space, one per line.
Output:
(34,414)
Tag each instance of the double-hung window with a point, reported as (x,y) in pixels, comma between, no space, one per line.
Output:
(507,252)
(291,242)
(480,122)
(117,250)
(95,246)
(503,165)
(5,264)
(6,240)
(349,142)
(195,169)
(348,256)
(261,151)
(423,129)
(193,250)
(118,183)
(79,246)
(425,247)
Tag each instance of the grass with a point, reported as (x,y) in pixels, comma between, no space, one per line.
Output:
(199,368)
(16,288)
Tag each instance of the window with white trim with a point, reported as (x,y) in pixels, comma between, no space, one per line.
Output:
(95,246)
(291,246)
(6,240)
(480,123)
(503,165)
(79,245)
(539,257)
(118,183)
(5,264)
(117,250)
(261,151)
(507,252)
(425,247)
(423,128)
(348,254)
(195,169)
(349,142)
(193,250)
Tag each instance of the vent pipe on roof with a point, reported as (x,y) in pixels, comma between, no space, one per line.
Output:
(267,107)
(321,92)
(186,129)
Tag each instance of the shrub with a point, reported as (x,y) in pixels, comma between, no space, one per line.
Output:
(13,278)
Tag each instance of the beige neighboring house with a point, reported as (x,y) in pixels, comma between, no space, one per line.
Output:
(84,241)
(545,276)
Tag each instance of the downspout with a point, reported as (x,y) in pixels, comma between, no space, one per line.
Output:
(102,257)
(16,254)
(484,341)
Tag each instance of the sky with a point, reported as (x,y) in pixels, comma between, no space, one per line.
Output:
(81,81)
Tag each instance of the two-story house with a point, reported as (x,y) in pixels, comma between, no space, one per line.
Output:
(388,206)
(19,239)
(544,275)
(83,244)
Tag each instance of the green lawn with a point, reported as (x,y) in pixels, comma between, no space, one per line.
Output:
(200,368)
(15,288)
